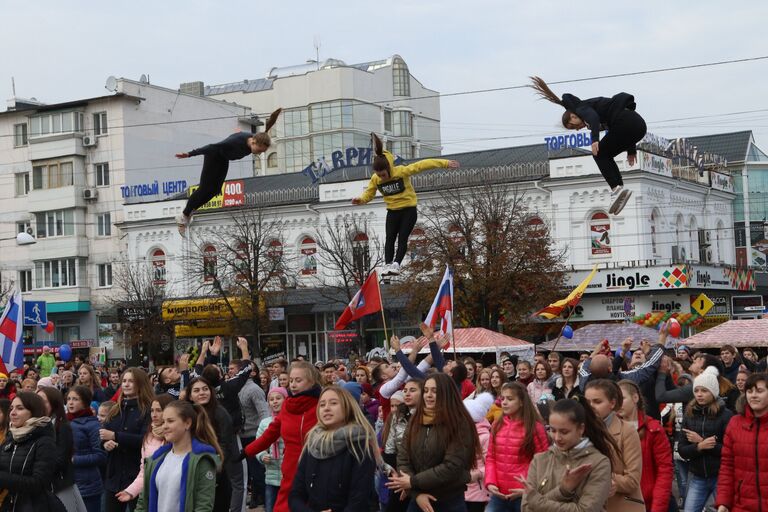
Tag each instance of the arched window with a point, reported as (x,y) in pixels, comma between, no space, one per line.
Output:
(458,244)
(242,261)
(681,253)
(418,243)
(209,263)
(308,250)
(272,160)
(275,257)
(158,267)
(536,226)
(654,231)
(361,253)
(600,234)
(401,78)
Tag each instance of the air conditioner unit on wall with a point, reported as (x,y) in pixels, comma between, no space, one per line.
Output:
(707,255)
(90,141)
(679,254)
(90,193)
(705,237)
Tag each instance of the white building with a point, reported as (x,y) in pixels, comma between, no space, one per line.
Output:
(672,227)
(67,169)
(331,106)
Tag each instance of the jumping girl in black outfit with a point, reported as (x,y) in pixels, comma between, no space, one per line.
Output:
(617,115)
(216,164)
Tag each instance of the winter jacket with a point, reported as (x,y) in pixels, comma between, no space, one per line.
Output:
(639,375)
(123,462)
(46,362)
(397,191)
(148,448)
(666,391)
(547,470)
(89,456)
(506,459)
(742,485)
(273,475)
(27,470)
(627,470)
(233,147)
(559,392)
(475,489)
(537,388)
(371,408)
(198,479)
(339,483)
(296,419)
(656,481)
(254,407)
(705,463)
(599,112)
(65,471)
(436,466)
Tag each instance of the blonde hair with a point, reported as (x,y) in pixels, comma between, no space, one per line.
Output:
(144,393)
(353,415)
(312,374)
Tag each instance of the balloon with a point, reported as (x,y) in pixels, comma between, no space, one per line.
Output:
(674,328)
(568,331)
(49,327)
(65,352)
(647,316)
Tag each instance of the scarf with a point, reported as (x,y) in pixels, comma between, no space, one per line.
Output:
(79,414)
(21,433)
(427,417)
(321,447)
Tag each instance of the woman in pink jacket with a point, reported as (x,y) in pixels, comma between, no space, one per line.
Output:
(476,497)
(515,438)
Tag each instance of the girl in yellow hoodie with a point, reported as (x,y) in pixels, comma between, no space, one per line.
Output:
(394,183)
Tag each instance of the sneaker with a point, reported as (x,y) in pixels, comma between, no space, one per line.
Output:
(621,201)
(386,270)
(182,221)
(394,269)
(615,193)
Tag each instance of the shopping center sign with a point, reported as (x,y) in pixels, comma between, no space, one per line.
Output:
(660,278)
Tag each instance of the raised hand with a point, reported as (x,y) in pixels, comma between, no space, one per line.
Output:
(394,343)
(573,477)
(216,347)
(182,155)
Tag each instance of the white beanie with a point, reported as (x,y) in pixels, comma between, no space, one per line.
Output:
(708,379)
(479,406)
(399,396)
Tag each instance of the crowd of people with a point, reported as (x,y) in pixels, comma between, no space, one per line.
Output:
(630,428)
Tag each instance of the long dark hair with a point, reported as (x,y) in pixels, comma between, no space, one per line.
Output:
(212,404)
(32,402)
(527,415)
(380,162)
(5,409)
(594,428)
(202,428)
(263,138)
(56,401)
(543,91)
(450,415)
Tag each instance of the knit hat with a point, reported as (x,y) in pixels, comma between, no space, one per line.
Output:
(3,376)
(355,389)
(280,390)
(399,396)
(479,406)
(367,389)
(708,379)
(45,382)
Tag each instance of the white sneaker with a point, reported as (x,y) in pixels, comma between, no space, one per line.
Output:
(620,202)
(385,270)
(394,269)
(615,193)
(183,222)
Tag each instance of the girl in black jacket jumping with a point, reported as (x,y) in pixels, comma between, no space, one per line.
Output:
(617,115)
(216,164)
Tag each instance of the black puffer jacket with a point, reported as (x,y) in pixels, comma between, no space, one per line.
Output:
(123,462)
(27,470)
(705,463)
(65,471)
(597,112)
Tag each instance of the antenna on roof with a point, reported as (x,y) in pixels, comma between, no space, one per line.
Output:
(316,42)
(144,79)
(13,86)
(111,84)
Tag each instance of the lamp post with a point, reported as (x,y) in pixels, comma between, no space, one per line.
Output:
(23,238)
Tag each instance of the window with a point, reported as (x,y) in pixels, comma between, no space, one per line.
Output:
(402,148)
(24,226)
(297,154)
(536,226)
(25,280)
(402,123)
(275,257)
(57,122)
(20,137)
(22,184)
(105,275)
(600,234)
(418,244)
(158,267)
(387,120)
(654,231)
(272,160)
(104,224)
(52,175)
(55,223)
(56,273)
(308,250)
(361,256)
(401,78)
(330,115)
(102,174)
(210,263)
(324,145)
(100,123)
(296,122)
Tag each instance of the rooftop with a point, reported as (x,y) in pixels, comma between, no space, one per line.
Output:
(733,146)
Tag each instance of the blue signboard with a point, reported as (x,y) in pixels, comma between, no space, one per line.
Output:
(35,313)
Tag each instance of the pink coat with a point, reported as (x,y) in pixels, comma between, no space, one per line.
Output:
(475,489)
(148,448)
(506,460)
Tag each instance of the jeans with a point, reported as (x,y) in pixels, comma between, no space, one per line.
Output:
(699,490)
(255,473)
(681,474)
(92,503)
(448,505)
(270,496)
(499,505)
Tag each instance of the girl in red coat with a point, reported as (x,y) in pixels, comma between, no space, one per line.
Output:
(742,485)
(656,479)
(296,419)
(516,437)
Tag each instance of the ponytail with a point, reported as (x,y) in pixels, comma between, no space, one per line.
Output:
(543,90)
(272,119)
(263,138)
(380,162)
(594,428)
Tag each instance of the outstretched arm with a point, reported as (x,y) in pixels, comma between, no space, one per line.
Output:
(427,164)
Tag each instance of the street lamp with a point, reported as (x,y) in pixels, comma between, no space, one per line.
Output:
(23,238)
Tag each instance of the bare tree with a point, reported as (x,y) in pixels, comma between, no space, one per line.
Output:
(6,287)
(504,264)
(243,264)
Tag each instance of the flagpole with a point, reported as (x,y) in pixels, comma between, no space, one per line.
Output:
(383,319)
(563,327)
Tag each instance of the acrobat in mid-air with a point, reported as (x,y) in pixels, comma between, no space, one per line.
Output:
(216,159)
(394,183)
(617,115)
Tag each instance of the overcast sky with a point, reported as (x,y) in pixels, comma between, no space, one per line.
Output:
(59,51)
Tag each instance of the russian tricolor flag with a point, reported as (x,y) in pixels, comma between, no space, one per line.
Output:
(11,326)
(442,307)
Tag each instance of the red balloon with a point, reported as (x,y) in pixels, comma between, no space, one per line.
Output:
(674,328)
(49,327)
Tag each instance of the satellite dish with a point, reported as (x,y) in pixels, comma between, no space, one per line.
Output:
(144,79)
(111,84)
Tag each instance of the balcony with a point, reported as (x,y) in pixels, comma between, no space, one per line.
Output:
(59,198)
(59,247)
(63,300)
(55,146)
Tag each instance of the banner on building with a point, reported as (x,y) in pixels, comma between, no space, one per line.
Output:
(232,194)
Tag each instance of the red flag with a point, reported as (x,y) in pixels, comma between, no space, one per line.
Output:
(365,302)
